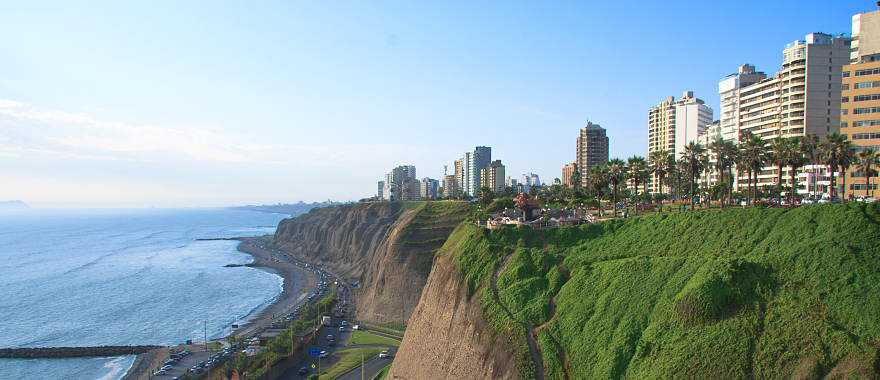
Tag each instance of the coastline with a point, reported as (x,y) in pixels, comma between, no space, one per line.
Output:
(297,283)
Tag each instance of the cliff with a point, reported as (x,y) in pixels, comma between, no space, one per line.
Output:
(387,247)
(735,293)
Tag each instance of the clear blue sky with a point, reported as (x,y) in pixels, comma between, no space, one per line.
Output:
(162,104)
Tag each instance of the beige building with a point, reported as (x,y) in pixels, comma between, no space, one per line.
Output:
(801,99)
(591,149)
(492,176)
(672,124)
(860,97)
(567,171)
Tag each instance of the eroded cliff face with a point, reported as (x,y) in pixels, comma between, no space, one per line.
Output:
(447,337)
(387,247)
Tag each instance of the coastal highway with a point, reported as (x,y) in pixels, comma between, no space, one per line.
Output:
(372,367)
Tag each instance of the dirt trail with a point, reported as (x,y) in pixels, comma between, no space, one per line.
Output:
(530,332)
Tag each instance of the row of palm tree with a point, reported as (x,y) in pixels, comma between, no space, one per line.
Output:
(725,159)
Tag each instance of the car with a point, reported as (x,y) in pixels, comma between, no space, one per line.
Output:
(303,370)
(160,372)
(341,328)
(384,355)
(324,354)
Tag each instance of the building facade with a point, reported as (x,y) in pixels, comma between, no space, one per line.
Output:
(802,99)
(428,188)
(567,172)
(400,184)
(729,90)
(672,124)
(591,149)
(492,177)
(860,99)
(450,187)
(381,190)
(472,163)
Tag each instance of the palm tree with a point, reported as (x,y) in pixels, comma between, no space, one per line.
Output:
(616,175)
(834,154)
(847,158)
(598,181)
(693,155)
(866,161)
(794,158)
(659,164)
(809,145)
(752,156)
(777,155)
(637,168)
(725,159)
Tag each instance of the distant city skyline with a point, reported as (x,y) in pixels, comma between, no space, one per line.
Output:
(169,105)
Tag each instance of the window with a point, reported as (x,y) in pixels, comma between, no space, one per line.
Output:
(873,84)
(866,123)
(863,98)
(844,111)
(867,72)
(845,86)
(844,99)
(846,74)
(866,136)
(859,111)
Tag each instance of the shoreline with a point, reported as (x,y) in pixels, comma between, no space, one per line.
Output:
(297,283)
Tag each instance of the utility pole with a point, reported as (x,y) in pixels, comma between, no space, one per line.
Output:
(206,335)
(362,366)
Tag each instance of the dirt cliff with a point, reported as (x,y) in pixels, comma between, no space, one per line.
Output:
(447,337)
(387,247)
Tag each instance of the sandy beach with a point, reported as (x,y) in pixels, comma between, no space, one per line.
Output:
(298,283)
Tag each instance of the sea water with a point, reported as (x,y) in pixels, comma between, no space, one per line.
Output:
(120,277)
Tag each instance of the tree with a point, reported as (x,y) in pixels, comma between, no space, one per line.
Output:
(659,165)
(616,175)
(725,156)
(778,156)
(598,181)
(836,153)
(693,155)
(866,161)
(809,146)
(637,167)
(794,158)
(486,196)
(576,178)
(752,156)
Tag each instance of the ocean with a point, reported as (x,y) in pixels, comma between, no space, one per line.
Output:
(119,277)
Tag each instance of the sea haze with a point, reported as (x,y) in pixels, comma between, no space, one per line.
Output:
(102,277)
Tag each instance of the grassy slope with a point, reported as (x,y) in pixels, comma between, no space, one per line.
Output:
(361,337)
(730,293)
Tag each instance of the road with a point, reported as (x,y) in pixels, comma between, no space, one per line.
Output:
(372,367)
(341,340)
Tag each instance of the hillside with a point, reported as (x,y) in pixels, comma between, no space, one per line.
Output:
(735,293)
(387,247)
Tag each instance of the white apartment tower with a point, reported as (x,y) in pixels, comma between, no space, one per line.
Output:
(729,92)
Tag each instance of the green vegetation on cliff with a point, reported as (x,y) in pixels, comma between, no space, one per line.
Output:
(733,293)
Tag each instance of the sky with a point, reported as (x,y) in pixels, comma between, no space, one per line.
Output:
(189,104)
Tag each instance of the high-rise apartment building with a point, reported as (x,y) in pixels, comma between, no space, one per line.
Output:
(492,177)
(381,190)
(729,92)
(401,184)
(860,97)
(591,149)
(567,172)
(672,124)
(450,186)
(472,163)
(428,188)
(803,98)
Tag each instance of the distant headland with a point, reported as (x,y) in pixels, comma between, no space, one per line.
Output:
(13,206)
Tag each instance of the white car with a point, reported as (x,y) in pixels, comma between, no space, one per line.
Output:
(384,354)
